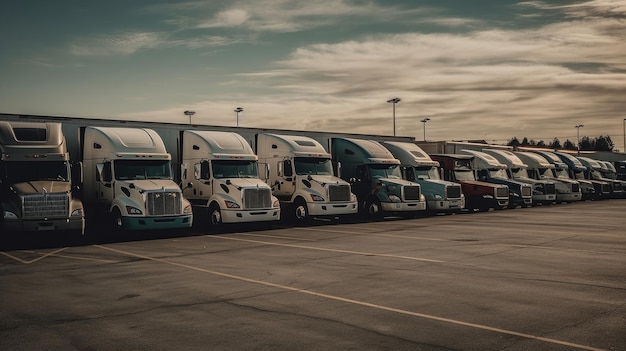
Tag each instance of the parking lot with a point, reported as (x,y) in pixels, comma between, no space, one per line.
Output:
(543,278)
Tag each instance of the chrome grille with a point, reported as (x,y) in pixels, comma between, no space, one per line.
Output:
(550,188)
(257,198)
(411,192)
(502,192)
(527,191)
(606,188)
(339,192)
(164,203)
(45,205)
(453,191)
(575,187)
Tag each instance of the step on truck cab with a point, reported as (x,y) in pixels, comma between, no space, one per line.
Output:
(567,190)
(128,176)
(376,178)
(561,172)
(544,191)
(417,166)
(578,171)
(595,171)
(488,169)
(479,196)
(224,175)
(36,186)
(300,172)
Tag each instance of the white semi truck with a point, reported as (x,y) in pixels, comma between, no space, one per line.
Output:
(300,172)
(376,178)
(224,176)
(36,186)
(567,190)
(128,175)
(417,166)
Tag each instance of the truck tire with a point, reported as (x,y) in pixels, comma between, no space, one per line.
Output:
(373,209)
(117,223)
(215,215)
(300,211)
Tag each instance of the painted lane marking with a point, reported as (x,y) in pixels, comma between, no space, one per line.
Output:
(326,249)
(374,234)
(357,302)
(276,236)
(32,261)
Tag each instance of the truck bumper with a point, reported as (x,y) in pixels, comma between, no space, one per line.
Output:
(403,206)
(260,215)
(66,224)
(568,197)
(166,222)
(332,209)
(446,205)
(544,199)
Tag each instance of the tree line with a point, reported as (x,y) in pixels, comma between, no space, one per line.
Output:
(601,143)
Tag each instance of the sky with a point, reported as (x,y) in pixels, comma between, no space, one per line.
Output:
(480,70)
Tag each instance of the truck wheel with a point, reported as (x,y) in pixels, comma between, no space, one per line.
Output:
(373,209)
(215,215)
(300,211)
(116,221)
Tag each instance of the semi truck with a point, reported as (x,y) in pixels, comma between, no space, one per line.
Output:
(479,196)
(595,170)
(224,175)
(610,172)
(544,191)
(417,166)
(376,178)
(488,169)
(128,176)
(301,175)
(561,172)
(37,192)
(578,171)
(567,190)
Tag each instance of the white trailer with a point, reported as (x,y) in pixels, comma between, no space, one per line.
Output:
(128,174)
(224,175)
(300,172)
(36,188)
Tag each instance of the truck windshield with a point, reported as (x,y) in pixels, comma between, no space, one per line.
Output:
(385,171)
(579,175)
(519,173)
(142,169)
(545,173)
(24,171)
(561,173)
(235,169)
(595,175)
(426,173)
(464,175)
(498,173)
(313,165)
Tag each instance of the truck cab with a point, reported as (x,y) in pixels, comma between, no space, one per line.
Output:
(417,166)
(561,172)
(224,176)
(128,175)
(37,192)
(488,169)
(567,190)
(301,175)
(544,191)
(578,171)
(596,171)
(376,178)
(479,196)
(610,172)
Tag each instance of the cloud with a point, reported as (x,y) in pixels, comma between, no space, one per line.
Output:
(115,45)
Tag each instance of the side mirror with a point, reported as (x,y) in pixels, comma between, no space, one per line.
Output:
(189,185)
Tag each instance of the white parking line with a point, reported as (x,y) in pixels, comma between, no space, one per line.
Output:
(357,302)
(36,259)
(373,234)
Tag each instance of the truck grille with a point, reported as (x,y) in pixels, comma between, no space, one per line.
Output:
(575,187)
(257,198)
(527,191)
(339,192)
(411,192)
(453,192)
(606,188)
(45,205)
(550,188)
(502,192)
(164,203)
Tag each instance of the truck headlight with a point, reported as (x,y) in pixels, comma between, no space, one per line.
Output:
(133,210)
(438,197)
(316,197)
(394,198)
(187,209)
(9,215)
(231,204)
(275,203)
(353,198)
(77,212)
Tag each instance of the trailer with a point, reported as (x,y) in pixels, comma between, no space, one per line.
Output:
(441,195)
(301,175)
(223,174)
(128,176)
(376,178)
(37,192)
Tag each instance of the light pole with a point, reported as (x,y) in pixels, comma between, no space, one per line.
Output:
(394,101)
(190,113)
(578,137)
(424,121)
(237,110)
